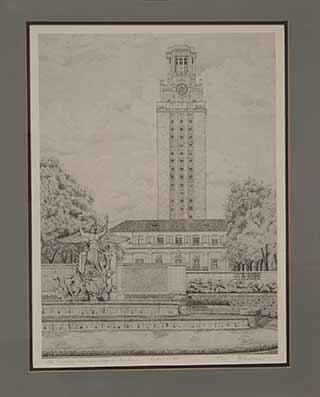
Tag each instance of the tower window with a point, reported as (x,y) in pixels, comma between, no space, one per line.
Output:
(181,64)
(196,240)
(160,240)
(214,240)
(158,259)
(150,239)
(196,262)
(213,263)
(169,239)
(205,239)
(140,239)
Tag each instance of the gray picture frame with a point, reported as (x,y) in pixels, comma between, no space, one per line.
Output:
(34,205)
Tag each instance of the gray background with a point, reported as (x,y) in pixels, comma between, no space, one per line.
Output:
(302,378)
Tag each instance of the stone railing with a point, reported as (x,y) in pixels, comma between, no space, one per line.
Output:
(204,275)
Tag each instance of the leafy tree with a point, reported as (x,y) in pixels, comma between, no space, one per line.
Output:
(250,214)
(62,199)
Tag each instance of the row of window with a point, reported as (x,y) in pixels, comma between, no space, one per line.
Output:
(178,240)
(180,60)
(181,160)
(181,140)
(181,153)
(181,120)
(181,186)
(194,265)
(181,129)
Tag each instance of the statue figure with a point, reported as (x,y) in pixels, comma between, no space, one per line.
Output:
(92,265)
(93,279)
(61,287)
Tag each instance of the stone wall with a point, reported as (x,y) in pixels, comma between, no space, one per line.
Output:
(267,302)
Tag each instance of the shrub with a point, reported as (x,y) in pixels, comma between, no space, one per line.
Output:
(232,286)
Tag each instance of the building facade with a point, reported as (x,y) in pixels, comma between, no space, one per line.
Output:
(181,139)
(199,244)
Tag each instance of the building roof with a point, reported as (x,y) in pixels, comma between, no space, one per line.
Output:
(171,225)
(181,47)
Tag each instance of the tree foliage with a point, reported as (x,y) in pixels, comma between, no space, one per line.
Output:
(62,199)
(250,214)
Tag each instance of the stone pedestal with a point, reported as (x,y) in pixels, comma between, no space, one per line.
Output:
(151,279)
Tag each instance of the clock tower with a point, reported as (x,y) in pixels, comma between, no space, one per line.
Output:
(181,139)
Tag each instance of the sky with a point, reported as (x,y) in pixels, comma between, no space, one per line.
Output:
(98,96)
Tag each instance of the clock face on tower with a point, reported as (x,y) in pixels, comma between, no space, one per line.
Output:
(181,89)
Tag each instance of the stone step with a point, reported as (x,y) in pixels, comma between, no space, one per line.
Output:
(125,324)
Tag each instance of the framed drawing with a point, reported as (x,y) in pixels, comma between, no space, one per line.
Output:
(158,195)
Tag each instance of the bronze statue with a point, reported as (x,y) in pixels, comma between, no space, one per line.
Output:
(93,279)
